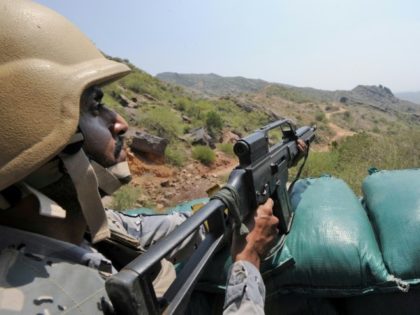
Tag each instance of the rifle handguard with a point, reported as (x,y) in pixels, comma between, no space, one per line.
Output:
(230,198)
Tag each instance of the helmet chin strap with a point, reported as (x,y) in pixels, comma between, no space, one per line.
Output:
(112,178)
(87,176)
(84,179)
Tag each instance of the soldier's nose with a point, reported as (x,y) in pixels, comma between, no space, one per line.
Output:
(119,126)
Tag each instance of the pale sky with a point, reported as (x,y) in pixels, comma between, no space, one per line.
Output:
(327,44)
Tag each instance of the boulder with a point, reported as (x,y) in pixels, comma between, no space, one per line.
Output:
(230,137)
(200,136)
(145,143)
(247,107)
(125,101)
(149,97)
(186,119)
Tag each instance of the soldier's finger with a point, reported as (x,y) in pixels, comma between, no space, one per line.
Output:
(266,208)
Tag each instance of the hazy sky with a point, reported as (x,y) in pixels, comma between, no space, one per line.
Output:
(329,44)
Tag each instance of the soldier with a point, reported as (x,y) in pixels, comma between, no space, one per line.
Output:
(245,292)
(59,145)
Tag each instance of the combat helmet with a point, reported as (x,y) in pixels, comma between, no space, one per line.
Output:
(45,65)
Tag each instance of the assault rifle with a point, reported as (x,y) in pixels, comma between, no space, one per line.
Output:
(262,173)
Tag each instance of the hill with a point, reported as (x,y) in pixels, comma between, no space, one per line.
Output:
(413,97)
(348,121)
(379,96)
(213,84)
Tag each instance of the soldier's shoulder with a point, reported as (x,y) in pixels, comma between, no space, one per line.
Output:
(37,280)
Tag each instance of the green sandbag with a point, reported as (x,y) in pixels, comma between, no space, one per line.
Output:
(393,202)
(333,244)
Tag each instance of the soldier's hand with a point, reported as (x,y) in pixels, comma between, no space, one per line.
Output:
(303,150)
(263,230)
(302,146)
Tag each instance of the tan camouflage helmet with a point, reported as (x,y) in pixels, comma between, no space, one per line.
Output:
(45,65)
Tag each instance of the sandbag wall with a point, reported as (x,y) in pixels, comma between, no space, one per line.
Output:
(393,204)
(338,249)
(332,243)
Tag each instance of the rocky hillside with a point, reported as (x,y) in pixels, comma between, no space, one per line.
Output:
(379,97)
(213,84)
(210,84)
(181,142)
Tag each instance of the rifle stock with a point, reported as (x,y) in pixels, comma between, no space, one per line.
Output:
(262,173)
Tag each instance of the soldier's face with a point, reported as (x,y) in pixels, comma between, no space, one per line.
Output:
(102,128)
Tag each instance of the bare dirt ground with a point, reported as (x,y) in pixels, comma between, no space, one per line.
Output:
(339,132)
(163,186)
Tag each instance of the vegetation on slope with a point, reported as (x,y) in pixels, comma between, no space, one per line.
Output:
(168,111)
(382,139)
(354,156)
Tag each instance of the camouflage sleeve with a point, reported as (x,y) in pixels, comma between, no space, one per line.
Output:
(148,229)
(245,292)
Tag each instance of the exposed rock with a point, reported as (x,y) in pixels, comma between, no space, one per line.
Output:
(165,183)
(149,97)
(164,202)
(125,101)
(169,194)
(200,136)
(160,206)
(248,107)
(343,99)
(146,143)
(186,119)
(230,137)
(379,97)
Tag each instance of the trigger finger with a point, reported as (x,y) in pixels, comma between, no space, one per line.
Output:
(267,207)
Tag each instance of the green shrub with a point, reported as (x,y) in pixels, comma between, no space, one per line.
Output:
(163,121)
(203,154)
(214,121)
(175,156)
(351,158)
(226,148)
(320,116)
(125,198)
(347,116)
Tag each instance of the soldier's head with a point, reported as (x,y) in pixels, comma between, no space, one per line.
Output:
(51,104)
(102,128)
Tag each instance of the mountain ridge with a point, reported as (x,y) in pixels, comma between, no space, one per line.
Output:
(380,97)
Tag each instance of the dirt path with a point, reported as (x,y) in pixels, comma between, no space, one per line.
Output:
(339,132)
(163,186)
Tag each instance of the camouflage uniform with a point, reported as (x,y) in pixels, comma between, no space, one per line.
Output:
(41,275)
(148,229)
(245,292)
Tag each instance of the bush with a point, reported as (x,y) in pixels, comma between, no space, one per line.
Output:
(175,156)
(162,120)
(125,198)
(203,154)
(226,148)
(320,116)
(347,116)
(214,121)
(351,158)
